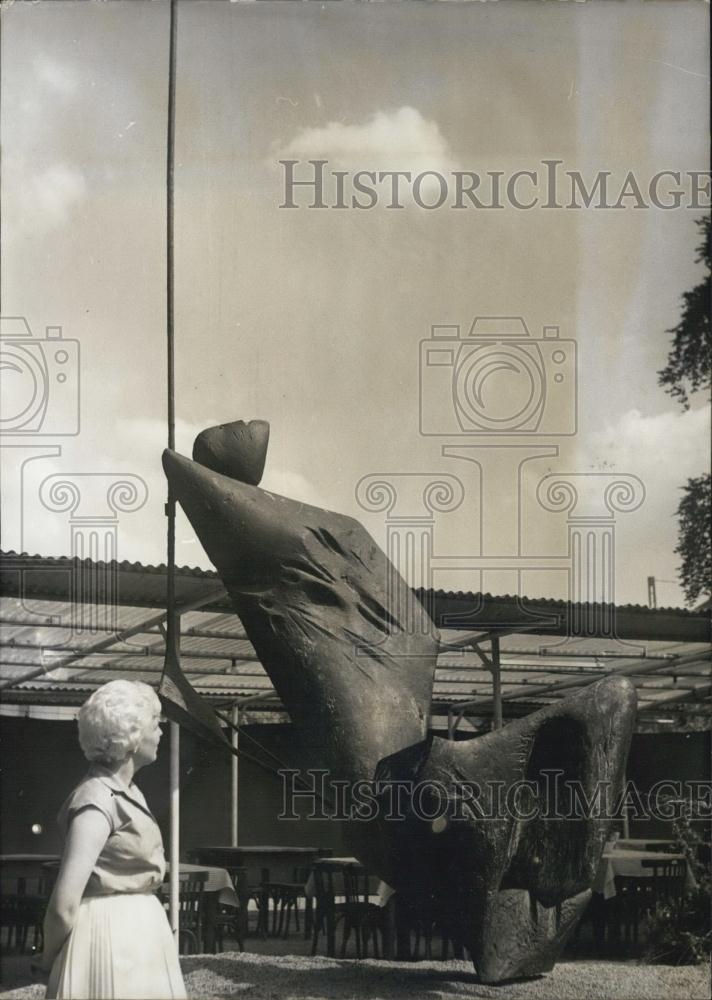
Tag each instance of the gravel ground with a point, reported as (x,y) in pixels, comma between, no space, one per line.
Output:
(293,977)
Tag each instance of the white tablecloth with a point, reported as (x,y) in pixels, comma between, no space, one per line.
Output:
(218,881)
(616,861)
(643,844)
(380,898)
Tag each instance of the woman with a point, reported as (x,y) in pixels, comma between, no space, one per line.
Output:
(106,933)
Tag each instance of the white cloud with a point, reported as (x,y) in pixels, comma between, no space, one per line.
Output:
(57,76)
(134,447)
(650,446)
(40,191)
(396,140)
(663,451)
(292,485)
(51,195)
(400,140)
(38,200)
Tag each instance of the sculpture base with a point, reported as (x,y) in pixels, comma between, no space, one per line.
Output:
(523,938)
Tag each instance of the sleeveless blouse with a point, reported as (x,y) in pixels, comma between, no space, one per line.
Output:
(132,859)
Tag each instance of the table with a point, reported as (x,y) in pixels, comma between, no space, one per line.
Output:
(643,844)
(278,860)
(264,863)
(218,882)
(621,860)
(219,891)
(25,865)
(617,861)
(381,898)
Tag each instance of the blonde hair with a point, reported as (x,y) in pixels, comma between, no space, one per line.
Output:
(113,720)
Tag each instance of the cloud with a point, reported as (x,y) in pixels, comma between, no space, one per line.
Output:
(50,196)
(134,447)
(56,76)
(402,140)
(664,451)
(650,446)
(292,485)
(40,193)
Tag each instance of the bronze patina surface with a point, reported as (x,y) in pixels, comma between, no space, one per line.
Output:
(352,655)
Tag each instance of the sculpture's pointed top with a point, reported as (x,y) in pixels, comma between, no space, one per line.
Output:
(237,449)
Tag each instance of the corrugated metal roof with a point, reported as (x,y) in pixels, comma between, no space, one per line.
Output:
(142,569)
(38,631)
(135,585)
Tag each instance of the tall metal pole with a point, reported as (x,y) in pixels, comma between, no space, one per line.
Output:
(235,776)
(172,621)
(496,683)
(174,849)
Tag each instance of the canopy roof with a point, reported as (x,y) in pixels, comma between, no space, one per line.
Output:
(70,625)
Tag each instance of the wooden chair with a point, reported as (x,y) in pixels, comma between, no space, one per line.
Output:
(266,896)
(233,920)
(633,901)
(286,898)
(364,918)
(191,908)
(668,883)
(425,928)
(22,906)
(11,910)
(327,912)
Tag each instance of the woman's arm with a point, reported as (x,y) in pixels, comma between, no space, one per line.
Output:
(87,834)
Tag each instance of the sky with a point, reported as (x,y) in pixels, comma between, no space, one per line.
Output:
(313,318)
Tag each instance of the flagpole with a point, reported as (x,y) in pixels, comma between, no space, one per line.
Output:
(172,618)
(235,776)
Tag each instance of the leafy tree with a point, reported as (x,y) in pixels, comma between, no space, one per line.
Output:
(688,370)
(688,367)
(694,545)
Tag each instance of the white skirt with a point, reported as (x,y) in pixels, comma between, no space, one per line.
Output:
(120,948)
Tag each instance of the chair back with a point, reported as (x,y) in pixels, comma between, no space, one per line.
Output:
(191,907)
(359,886)
(301,874)
(329,887)
(23,901)
(668,880)
(239,876)
(190,897)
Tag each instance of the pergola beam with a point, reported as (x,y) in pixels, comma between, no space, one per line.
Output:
(111,640)
(637,669)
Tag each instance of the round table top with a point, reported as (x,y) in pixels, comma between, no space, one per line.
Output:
(624,855)
(337,863)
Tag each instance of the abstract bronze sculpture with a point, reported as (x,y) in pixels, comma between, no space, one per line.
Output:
(352,656)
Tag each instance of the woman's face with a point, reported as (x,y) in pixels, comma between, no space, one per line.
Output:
(148,747)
